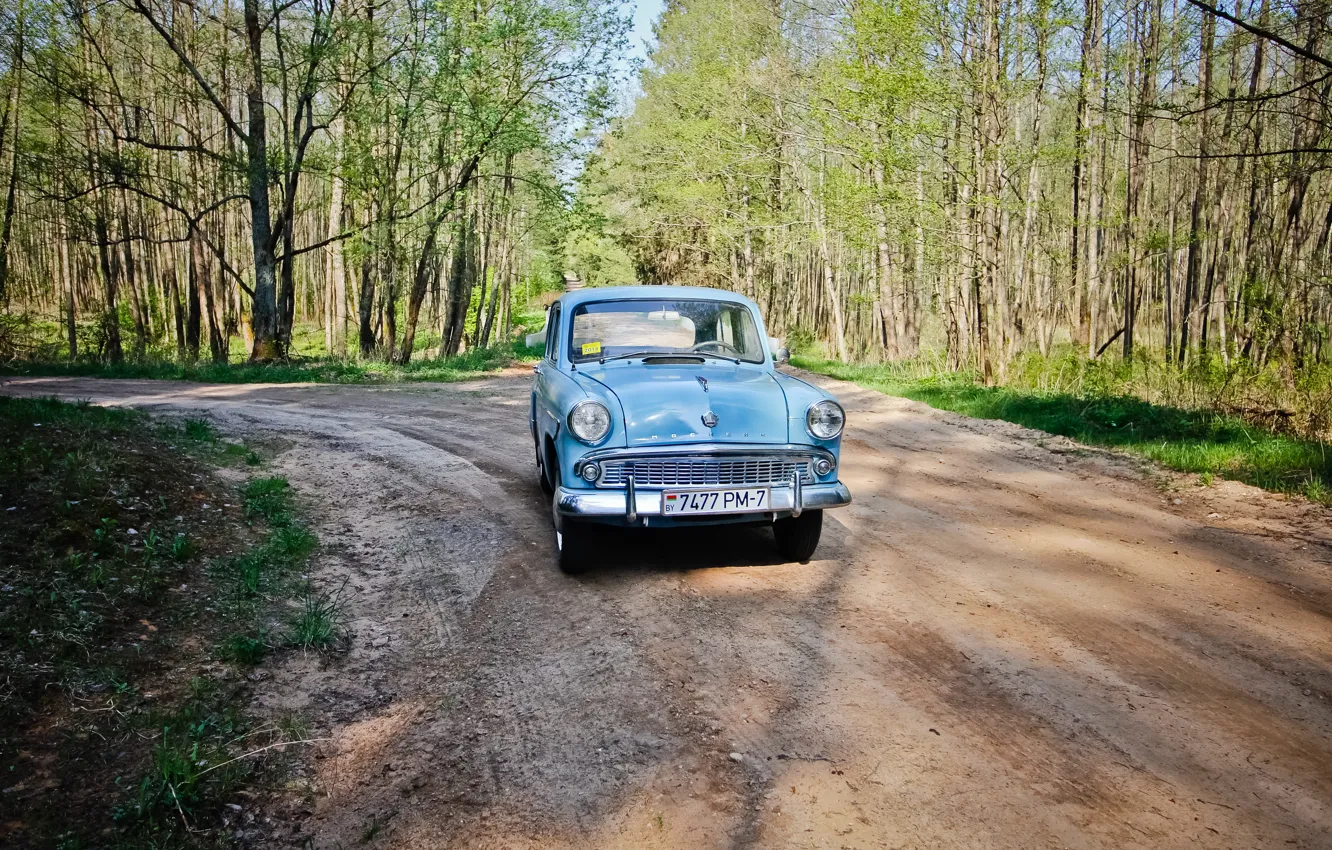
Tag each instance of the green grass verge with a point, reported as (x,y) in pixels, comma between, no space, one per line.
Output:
(472,364)
(1196,441)
(122,564)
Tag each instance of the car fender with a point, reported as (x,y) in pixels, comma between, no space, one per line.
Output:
(799,396)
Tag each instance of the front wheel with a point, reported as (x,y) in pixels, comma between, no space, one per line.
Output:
(542,478)
(572,539)
(798,536)
(572,542)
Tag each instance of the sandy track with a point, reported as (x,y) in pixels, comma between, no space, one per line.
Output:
(1006,642)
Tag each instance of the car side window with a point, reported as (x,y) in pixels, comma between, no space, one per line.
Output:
(553,333)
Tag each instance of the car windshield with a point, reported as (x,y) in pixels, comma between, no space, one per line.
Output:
(604,329)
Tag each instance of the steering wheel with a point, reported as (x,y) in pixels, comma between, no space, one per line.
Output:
(714,342)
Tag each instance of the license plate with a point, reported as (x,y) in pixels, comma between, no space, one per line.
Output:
(694,502)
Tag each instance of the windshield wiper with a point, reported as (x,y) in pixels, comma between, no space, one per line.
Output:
(633,354)
(735,360)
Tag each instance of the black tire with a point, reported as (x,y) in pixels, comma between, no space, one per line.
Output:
(572,538)
(575,547)
(798,537)
(546,486)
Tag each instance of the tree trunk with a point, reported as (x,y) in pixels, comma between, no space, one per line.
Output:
(12,119)
(264,310)
(1196,225)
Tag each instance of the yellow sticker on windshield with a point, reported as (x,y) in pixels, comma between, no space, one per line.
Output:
(591,348)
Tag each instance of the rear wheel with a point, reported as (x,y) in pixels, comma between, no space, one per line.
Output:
(798,536)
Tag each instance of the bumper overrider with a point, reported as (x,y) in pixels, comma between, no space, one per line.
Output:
(627,501)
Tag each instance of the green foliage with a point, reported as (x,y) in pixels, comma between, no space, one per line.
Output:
(290,544)
(463,367)
(98,581)
(99,577)
(1197,441)
(182,549)
(800,340)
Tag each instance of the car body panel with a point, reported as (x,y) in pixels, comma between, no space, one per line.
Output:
(658,409)
(666,403)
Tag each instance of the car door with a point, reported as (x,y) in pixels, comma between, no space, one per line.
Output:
(544,414)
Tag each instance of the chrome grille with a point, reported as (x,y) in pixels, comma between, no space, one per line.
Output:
(705,472)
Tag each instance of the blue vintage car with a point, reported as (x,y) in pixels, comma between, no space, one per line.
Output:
(662,406)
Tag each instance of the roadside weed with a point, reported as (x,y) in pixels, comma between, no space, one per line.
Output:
(250,571)
(318,625)
(267,497)
(246,648)
(181,548)
(290,544)
(192,767)
(1316,491)
(473,363)
(371,830)
(200,430)
(265,564)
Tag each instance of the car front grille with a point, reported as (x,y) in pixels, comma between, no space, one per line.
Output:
(705,472)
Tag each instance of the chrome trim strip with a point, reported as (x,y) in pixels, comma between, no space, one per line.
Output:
(796,501)
(631,502)
(722,450)
(611,504)
(739,453)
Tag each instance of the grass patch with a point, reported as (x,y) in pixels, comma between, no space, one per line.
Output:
(1197,441)
(318,624)
(267,498)
(195,763)
(89,540)
(246,648)
(288,543)
(108,524)
(462,367)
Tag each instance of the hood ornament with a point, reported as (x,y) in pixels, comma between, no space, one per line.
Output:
(709,418)
(704,381)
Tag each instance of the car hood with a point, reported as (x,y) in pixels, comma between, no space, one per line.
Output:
(665,403)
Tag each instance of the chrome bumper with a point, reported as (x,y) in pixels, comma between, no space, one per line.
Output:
(636,503)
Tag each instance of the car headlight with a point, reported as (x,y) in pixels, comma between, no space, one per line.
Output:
(589,421)
(825,419)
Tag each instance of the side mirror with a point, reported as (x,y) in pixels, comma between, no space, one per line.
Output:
(781,356)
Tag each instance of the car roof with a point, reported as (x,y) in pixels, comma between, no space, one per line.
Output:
(617,293)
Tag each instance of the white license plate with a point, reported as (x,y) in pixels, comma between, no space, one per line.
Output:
(693,502)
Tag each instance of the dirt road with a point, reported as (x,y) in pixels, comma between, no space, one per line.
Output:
(1004,643)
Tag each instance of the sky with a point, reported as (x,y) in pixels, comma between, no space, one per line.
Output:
(645,12)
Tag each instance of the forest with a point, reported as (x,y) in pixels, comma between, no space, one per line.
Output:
(980,184)
(990,177)
(186,179)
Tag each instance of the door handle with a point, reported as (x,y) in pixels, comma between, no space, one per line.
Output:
(536,367)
